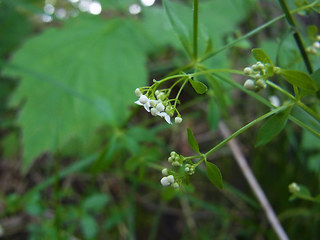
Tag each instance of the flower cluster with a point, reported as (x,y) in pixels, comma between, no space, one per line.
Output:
(168,180)
(315,46)
(189,169)
(175,159)
(258,76)
(158,106)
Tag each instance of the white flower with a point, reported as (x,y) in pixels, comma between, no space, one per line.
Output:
(164,181)
(144,101)
(316,45)
(274,100)
(154,112)
(160,107)
(153,102)
(170,179)
(178,120)
(138,92)
(165,116)
(249,84)
(164,172)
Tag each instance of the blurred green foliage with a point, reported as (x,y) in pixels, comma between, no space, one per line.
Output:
(89,158)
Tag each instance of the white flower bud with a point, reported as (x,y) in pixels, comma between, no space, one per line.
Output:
(249,84)
(316,45)
(175,185)
(170,179)
(247,70)
(160,107)
(276,70)
(164,172)
(170,159)
(157,92)
(154,112)
(178,120)
(138,92)
(274,100)
(153,102)
(255,67)
(164,181)
(261,83)
(294,188)
(143,99)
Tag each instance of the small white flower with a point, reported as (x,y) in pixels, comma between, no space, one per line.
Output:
(247,70)
(316,45)
(170,179)
(160,107)
(138,92)
(249,84)
(153,102)
(144,101)
(154,112)
(165,116)
(164,181)
(165,172)
(175,185)
(178,120)
(274,100)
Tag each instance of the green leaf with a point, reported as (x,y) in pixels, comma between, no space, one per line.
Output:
(95,202)
(178,26)
(299,79)
(192,141)
(199,87)
(272,127)
(65,72)
(89,226)
(213,115)
(260,55)
(214,174)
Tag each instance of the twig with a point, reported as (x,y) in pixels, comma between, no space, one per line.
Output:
(242,162)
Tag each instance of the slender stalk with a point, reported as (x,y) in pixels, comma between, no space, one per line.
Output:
(195,29)
(254,184)
(296,35)
(244,128)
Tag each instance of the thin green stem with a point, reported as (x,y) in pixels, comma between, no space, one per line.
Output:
(278,88)
(178,94)
(195,29)
(296,35)
(244,128)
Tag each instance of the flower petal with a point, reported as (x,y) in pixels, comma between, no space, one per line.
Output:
(167,118)
(147,106)
(138,102)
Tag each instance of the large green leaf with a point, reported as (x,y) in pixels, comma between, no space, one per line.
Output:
(299,79)
(74,79)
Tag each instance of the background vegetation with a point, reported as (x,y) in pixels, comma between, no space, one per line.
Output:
(80,161)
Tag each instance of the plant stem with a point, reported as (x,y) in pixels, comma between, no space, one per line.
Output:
(195,29)
(244,128)
(296,35)
(256,188)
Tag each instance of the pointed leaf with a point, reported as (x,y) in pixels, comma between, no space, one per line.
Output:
(260,55)
(299,79)
(272,127)
(214,174)
(192,141)
(199,87)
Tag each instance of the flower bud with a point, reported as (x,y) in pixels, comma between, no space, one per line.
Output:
(153,102)
(165,182)
(138,92)
(160,107)
(249,84)
(170,179)
(154,112)
(316,44)
(143,99)
(175,185)
(247,70)
(164,172)
(178,120)
(261,84)
(294,188)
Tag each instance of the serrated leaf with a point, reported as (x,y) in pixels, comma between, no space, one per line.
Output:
(260,55)
(299,79)
(272,127)
(178,26)
(214,174)
(64,71)
(192,141)
(199,87)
